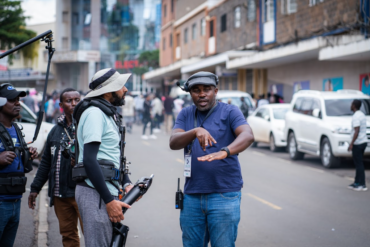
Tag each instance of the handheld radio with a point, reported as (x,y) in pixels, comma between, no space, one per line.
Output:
(179,196)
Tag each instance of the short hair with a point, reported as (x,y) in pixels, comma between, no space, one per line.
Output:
(357,103)
(66,91)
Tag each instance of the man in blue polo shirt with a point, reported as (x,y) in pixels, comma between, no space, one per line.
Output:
(212,134)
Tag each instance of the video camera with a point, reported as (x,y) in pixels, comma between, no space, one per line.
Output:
(68,146)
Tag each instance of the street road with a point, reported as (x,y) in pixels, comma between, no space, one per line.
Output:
(284,203)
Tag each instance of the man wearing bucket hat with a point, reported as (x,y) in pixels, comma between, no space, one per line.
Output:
(13,163)
(212,135)
(98,139)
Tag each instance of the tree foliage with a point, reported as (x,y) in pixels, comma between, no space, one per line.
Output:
(150,59)
(13,31)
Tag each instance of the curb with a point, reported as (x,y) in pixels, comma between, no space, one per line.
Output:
(43,228)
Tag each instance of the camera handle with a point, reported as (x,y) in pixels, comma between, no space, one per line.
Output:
(120,231)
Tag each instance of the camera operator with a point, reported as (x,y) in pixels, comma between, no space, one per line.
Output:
(212,135)
(13,164)
(57,169)
(98,139)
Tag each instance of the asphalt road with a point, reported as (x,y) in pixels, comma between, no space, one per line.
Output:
(284,203)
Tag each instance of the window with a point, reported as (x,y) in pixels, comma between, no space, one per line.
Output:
(186,36)
(164,44)
(251,12)
(202,27)
(165,10)
(342,107)
(170,45)
(211,24)
(297,105)
(65,16)
(269,10)
(288,6)
(306,107)
(279,113)
(193,31)
(237,17)
(223,23)
(75,18)
(263,113)
(314,2)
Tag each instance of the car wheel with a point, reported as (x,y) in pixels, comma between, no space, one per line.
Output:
(254,144)
(273,147)
(328,160)
(292,148)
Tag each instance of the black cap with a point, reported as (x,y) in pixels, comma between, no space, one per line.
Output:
(9,92)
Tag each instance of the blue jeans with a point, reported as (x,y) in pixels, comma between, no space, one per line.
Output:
(9,221)
(210,217)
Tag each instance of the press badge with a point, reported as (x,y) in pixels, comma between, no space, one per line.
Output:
(187,165)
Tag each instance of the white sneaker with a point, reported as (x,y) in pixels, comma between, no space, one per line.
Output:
(144,137)
(152,137)
(156,130)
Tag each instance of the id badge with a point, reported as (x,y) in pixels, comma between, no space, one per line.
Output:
(187,166)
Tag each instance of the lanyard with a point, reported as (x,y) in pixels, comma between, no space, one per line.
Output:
(201,125)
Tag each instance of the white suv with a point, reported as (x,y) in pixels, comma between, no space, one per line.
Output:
(319,123)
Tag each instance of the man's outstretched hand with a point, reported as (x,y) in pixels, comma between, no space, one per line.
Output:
(204,138)
(213,156)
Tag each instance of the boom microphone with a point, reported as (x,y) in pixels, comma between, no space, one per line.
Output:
(178,84)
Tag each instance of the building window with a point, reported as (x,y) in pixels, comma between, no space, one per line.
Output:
(251,11)
(172,5)
(186,36)
(75,18)
(170,40)
(314,2)
(202,27)
(193,31)
(65,16)
(164,44)
(269,11)
(211,32)
(223,23)
(165,10)
(237,17)
(288,6)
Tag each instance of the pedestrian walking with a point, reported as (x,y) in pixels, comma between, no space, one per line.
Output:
(139,103)
(178,104)
(212,135)
(98,135)
(244,108)
(128,112)
(157,112)
(168,111)
(12,164)
(358,145)
(29,102)
(148,118)
(57,169)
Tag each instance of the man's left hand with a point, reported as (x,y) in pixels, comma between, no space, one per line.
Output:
(213,156)
(350,147)
(33,152)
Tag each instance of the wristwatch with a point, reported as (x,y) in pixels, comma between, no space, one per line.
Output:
(226,150)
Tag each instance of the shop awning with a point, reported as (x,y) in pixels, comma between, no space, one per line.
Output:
(357,51)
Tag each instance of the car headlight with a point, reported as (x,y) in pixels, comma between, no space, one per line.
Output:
(341,130)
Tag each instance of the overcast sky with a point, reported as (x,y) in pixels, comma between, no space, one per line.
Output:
(40,11)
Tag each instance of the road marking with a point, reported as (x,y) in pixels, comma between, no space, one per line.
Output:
(285,161)
(349,178)
(265,202)
(258,153)
(180,161)
(315,169)
(146,143)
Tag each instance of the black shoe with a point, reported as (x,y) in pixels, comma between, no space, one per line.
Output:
(352,186)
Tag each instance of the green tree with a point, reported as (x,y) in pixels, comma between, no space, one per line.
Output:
(150,59)
(13,31)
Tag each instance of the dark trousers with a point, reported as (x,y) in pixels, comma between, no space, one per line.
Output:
(358,154)
(145,122)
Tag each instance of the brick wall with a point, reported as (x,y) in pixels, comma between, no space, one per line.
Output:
(166,55)
(233,38)
(185,6)
(314,20)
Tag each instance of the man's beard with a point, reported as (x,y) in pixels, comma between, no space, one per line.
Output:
(117,101)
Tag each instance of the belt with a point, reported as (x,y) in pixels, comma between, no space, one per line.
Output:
(10,200)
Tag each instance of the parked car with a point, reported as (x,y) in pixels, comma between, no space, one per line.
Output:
(267,124)
(319,123)
(28,121)
(234,96)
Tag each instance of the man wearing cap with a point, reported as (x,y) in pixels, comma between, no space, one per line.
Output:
(98,140)
(212,135)
(12,177)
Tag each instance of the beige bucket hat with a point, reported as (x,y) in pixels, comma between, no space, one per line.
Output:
(106,81)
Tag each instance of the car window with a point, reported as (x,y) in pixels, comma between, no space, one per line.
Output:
(316,104)
(279,113)
(260,113)
(306,107)
(263,113)
(297,105)
(342,107)
(235,101)
(26,117)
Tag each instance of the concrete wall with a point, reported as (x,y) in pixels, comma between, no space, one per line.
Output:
(63,28)
(315,20)
(233,38)
(315,72)
(185,6)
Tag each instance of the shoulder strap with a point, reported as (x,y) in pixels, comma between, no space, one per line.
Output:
(20,136)
(6,139)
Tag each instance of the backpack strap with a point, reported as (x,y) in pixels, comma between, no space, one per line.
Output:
(6,139)
(20,136)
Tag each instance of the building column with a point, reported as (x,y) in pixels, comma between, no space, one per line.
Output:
(259,82)
(95,24)
(242,80)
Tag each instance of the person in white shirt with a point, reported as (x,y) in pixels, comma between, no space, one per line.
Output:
(139,102)
(157,111)
(358,145)
(178,103)
(128,112)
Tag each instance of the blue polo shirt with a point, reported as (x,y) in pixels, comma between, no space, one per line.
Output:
(17,162)
(217,176)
